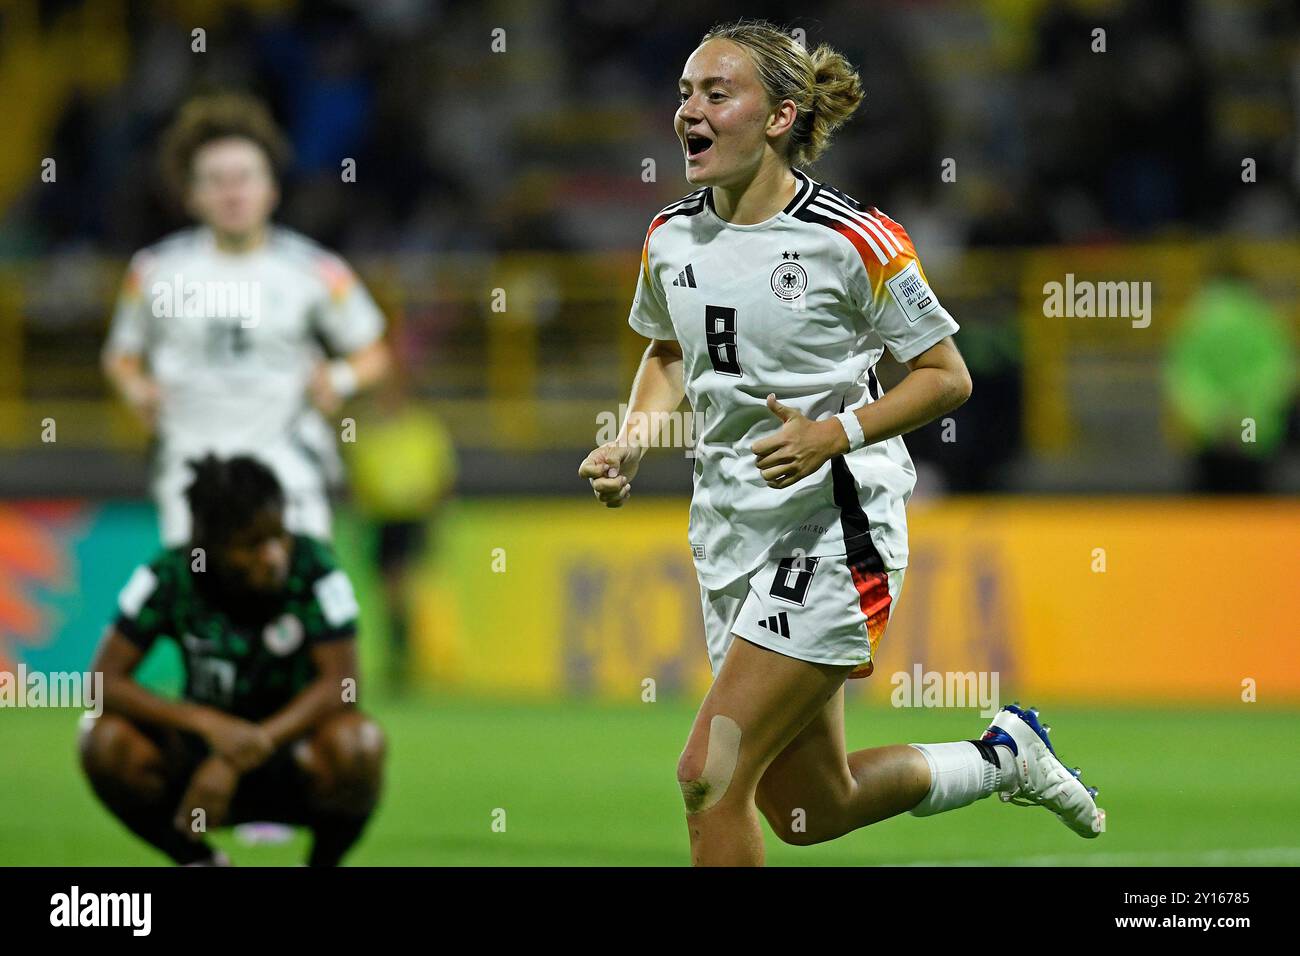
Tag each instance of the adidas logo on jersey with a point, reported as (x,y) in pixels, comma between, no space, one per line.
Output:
(778,624)
(686,278)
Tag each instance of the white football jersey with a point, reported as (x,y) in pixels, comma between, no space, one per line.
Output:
(231,340)
(802,305)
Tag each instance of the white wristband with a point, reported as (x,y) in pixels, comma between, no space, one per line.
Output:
(852,428)
(343,378)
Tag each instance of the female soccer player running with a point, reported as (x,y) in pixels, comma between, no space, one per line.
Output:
(769,298)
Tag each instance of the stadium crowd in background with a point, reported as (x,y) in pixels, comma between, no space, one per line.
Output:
(536,140)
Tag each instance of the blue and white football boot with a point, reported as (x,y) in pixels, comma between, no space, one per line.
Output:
(1042,780)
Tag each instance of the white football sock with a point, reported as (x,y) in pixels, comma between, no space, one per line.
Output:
(959,775)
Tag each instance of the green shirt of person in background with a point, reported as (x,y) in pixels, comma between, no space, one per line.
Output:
(1231,359)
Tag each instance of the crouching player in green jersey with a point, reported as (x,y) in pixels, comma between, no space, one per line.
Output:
(267,728)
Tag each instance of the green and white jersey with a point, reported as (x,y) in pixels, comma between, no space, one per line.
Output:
(802,305)
(243,660)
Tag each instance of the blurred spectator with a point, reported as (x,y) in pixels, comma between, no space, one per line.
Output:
(403,467)
(1230,378)
(1057,141)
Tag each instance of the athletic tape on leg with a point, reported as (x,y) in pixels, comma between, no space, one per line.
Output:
(720,761)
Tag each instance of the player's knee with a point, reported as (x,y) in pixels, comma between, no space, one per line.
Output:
(690,768)
(706,768)
(104,746)
(353,747)
(368,751)
(357,745)
(115,758)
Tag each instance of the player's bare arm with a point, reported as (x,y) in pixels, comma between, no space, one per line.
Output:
(242,742)
(127,373)
(937,382)
(211,789)
(335,661)
(216,779)
(657,388)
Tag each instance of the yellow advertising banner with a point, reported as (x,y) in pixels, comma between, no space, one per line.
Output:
(1068,599)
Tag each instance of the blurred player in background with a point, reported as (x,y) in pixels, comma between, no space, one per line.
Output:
(1230,380)
(402,469)
(220,334)
(267,728)
(769,297)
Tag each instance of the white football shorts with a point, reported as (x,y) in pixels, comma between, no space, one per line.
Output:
(306,508)
(822,609)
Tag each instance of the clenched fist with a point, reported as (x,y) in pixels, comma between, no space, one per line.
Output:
(611,468)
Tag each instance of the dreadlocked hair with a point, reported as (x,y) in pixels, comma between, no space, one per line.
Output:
(227,494)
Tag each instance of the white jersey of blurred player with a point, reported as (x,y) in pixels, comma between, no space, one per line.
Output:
(231,340)
(801,305)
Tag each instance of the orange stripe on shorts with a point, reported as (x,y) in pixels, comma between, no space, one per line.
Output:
(874,599)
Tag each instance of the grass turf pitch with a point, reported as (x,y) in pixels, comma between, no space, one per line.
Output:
(589,783)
